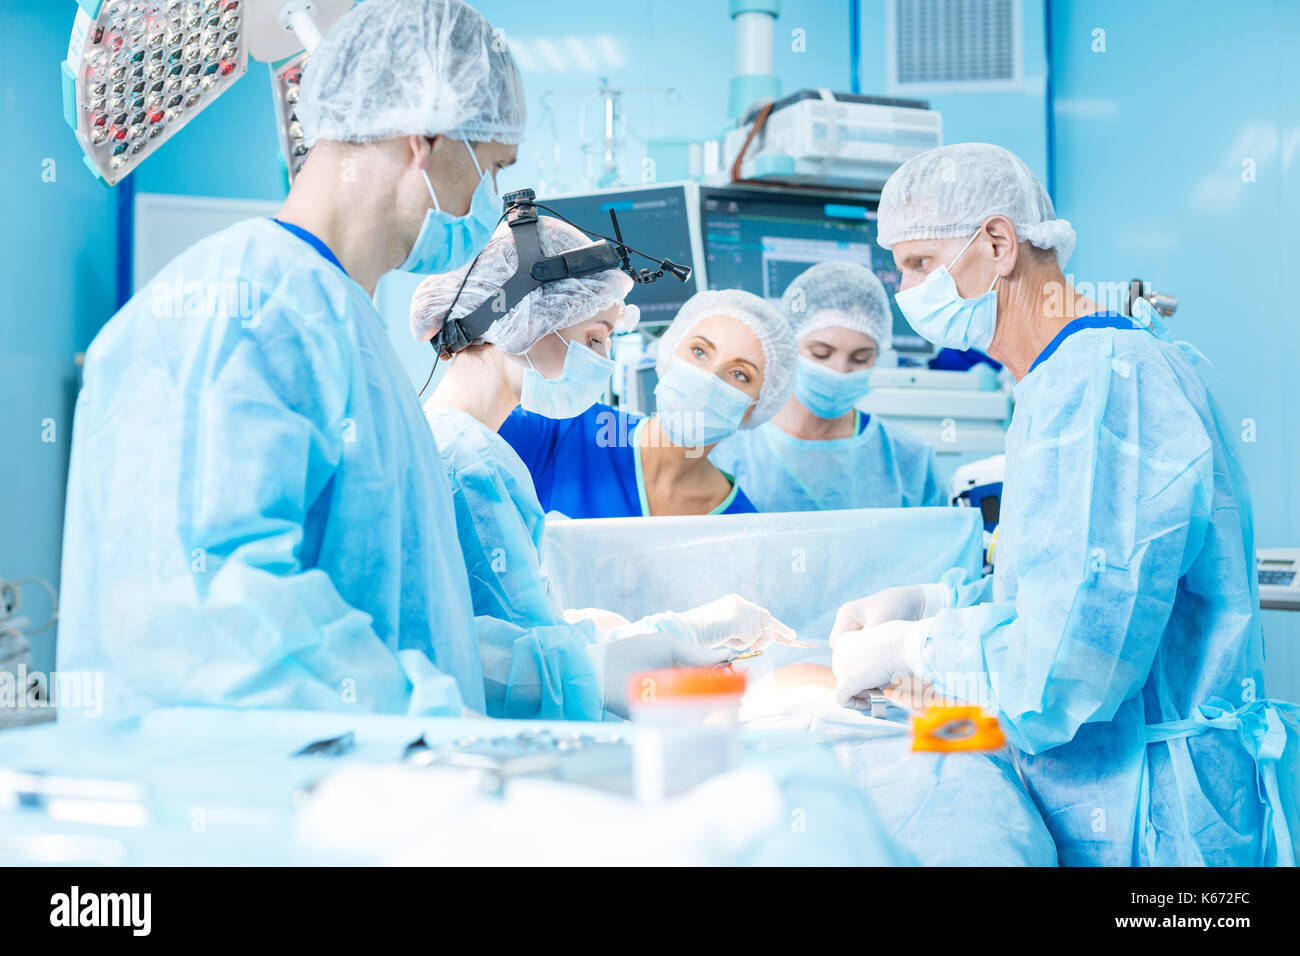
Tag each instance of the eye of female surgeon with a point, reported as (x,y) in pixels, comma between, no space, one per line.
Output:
(703,351)
(595,335)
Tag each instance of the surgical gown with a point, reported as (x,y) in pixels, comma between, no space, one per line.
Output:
(1121,647)
(256,512)
(877,467)
(589,466)
(500,524)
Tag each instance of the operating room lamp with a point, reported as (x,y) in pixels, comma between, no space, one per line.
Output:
(139,70)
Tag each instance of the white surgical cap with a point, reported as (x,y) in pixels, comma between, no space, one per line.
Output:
(948,193)
(556,305)
(845,294)
(393,68)
(763,319)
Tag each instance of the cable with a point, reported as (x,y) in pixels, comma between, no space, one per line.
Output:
(436,357)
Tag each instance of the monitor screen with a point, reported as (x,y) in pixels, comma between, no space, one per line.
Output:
(654,220)
(760,240)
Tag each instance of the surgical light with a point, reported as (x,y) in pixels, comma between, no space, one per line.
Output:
(139,70)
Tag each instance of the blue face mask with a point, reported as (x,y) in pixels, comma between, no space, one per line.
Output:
(828,393)
(581,384)
(938,313)
(447,242)
(695,407)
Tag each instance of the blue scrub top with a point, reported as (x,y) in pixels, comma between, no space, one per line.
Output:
(589,466)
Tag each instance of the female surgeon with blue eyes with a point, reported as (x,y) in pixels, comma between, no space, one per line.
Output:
(725,364)
(549,353)
(819,452)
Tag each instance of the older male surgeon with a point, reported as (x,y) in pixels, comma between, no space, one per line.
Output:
(1118,640)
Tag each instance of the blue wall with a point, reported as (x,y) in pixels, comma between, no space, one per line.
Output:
(1151,138)
(59,249)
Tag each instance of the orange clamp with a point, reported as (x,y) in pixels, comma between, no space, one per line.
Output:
(956,728)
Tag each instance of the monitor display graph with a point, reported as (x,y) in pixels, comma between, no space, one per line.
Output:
(760,240)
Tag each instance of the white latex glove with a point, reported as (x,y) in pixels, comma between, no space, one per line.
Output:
(618,660)
(729,621)
(910,602)
(876,657)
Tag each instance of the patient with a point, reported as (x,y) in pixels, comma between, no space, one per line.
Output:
(726,363)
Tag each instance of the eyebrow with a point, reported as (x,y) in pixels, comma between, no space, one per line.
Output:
(704,340)
(745,361)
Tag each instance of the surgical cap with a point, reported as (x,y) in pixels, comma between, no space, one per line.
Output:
(393,68)
(845,294)
(556,305)
(948,193)
(774,333)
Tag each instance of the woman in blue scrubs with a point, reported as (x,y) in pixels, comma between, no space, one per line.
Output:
(820,452)
(725,364)
(548,353)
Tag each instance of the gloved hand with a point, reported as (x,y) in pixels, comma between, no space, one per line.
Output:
(909,602)
(876,657)
(618,660)
(729,621)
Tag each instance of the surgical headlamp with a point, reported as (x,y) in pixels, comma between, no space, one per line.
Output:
(536,270)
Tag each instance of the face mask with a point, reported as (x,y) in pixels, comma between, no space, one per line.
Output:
(447,242)
(581,384)
(941,315)
(696,407)
(828,393)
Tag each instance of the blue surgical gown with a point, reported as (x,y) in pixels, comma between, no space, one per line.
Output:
(256,512)
(878,467)
(1120,644)
(500,524)
(589,466)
